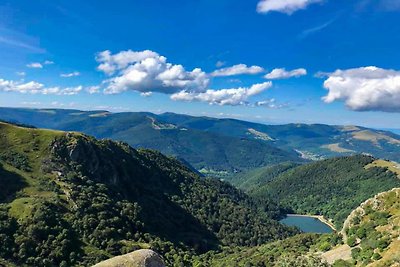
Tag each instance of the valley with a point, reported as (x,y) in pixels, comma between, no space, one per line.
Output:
(84,200)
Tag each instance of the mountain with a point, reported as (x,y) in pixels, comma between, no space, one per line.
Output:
(332,187)
(207,151)
(67,199)
(216,146)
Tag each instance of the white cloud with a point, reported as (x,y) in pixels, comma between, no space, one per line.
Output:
(283,6)
(110,63)
(284,74)
(35,65)
(33,87)
(20,73)
(146,94)
(39,65)
(220,63)
(147,71)
(233,96)
(30,103)
(271,103)
(93,89)
(365,89)
(71,74)
(237,70)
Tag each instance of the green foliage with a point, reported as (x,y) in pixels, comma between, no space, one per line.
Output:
(15,159)
(253,179)
(366,228)
(288,252)
(84,200)
(352,241)
(332,187)
(342,263)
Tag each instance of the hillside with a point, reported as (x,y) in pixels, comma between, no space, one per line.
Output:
(252,180)
(373,231)
(217,146)
(68,199)
(332,187)
(209,152)
(300,250)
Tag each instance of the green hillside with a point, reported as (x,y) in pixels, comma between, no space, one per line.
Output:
(332,187)
(217,146)
(253,179)
(300,250)
(373,231)
(210,152)
(68,199)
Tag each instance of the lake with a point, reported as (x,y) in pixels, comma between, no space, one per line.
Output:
(307,224)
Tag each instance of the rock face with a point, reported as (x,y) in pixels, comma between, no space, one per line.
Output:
(138,258)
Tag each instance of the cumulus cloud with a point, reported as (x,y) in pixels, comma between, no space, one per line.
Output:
(233,96)
(365,89)
(71,74)
(284,74)
(33,87)
(237,70)
(283,6)
(48,62)
(147,71)
(35,65)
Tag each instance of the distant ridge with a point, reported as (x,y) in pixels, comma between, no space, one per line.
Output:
(217,146)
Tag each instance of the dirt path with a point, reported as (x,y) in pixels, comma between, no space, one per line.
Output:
(342,252)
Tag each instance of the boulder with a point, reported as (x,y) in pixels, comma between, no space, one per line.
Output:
(138,258)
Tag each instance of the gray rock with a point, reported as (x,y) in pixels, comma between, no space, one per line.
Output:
(138,258)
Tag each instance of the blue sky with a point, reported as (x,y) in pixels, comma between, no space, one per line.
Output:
(323,61)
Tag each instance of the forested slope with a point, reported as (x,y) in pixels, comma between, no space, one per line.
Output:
(68,199)
(332,187)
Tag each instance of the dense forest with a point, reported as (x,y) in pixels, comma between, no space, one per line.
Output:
(251,180)
(332,187)
(73,200)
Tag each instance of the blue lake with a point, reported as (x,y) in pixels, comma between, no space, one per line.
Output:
(307,224)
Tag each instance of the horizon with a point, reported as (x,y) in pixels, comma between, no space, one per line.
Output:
(261,60)
(393,130)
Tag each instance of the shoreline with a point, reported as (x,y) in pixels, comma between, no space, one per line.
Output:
(319,217)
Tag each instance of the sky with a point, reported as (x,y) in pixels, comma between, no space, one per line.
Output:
(270,61)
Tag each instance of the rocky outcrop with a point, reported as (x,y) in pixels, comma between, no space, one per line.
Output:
(138,258)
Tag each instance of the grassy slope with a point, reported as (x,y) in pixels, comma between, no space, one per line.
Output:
(26,145)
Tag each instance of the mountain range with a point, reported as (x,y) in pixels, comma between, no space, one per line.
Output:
(69,199)
(216,146)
